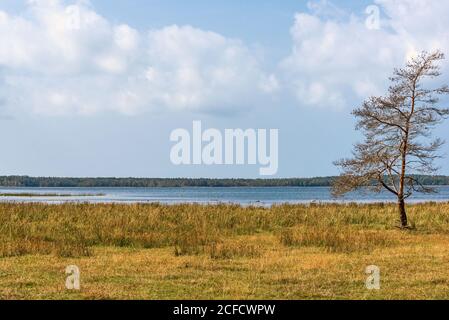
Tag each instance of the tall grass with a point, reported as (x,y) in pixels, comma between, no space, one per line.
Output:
(337,239)
(69,230)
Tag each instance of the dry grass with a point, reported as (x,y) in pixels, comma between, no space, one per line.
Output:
(222,252)
(338,239)
(234,249)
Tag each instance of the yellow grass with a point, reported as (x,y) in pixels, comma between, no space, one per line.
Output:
(222,252)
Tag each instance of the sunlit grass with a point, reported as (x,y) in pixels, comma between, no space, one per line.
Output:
(218,252)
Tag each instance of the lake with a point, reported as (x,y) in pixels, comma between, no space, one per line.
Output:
(244,195)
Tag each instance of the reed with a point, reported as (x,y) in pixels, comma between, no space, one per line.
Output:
(72,229)
(185,251)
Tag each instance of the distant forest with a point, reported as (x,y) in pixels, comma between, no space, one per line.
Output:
(25,181)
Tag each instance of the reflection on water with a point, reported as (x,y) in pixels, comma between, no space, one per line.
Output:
(245,196)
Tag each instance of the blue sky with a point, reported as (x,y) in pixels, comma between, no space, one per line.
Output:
(99,96)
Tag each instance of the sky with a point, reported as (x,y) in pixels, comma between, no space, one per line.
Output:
(95,88)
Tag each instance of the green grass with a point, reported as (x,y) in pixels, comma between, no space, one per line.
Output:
(143,251)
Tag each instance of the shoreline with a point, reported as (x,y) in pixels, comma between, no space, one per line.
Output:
(240,196)
(57,202)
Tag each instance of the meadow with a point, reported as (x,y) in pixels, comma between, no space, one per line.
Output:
(186,251)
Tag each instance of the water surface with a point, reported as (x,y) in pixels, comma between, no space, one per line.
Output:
(241,195)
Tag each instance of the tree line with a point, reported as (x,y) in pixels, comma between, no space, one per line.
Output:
(54,182)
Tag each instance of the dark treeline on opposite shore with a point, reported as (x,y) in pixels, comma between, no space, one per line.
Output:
(49,182)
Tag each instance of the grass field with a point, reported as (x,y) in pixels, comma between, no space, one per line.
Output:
(222,252)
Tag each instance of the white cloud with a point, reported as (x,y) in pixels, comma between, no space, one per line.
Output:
(58,59)
(337,61)
(325,8)
(191,68)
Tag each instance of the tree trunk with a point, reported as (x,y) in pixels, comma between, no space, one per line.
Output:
(403,213)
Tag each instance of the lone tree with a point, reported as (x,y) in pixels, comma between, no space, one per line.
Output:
(397,129)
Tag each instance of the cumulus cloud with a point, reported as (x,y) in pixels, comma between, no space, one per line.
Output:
(336,60)
(192,68)
(57,59)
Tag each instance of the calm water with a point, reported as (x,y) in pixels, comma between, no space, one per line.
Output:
(244,196)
